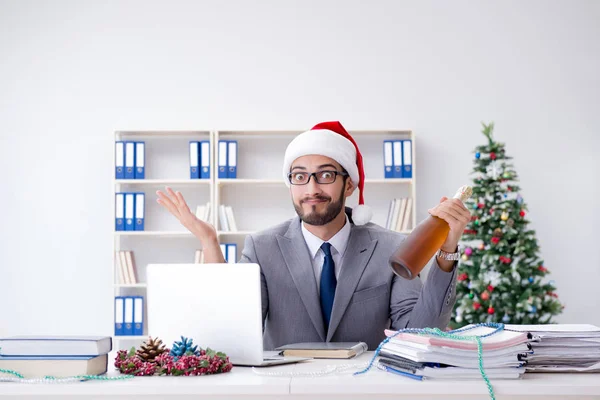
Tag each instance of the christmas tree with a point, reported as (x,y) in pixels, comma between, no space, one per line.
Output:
(501,277)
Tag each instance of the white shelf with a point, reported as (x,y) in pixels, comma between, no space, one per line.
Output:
(251,132)
(282,183)
(162,134)
(235,233)
(250,181)
(130,285)
(124,337)
(163,181)
(389,181)
(153,233)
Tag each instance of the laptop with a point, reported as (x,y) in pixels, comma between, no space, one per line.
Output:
(215,305)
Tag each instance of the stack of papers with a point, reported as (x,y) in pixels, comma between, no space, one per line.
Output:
(429,356)
(562,347)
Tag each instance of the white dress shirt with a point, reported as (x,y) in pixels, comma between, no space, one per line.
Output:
(338,247)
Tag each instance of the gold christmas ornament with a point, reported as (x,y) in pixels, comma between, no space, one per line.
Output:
(504,216)
(497,232)
(481,246)
(465,257)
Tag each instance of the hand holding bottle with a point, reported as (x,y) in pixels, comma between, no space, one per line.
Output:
(442,229)
(454,212)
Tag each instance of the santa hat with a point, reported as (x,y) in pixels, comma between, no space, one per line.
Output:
(330,139)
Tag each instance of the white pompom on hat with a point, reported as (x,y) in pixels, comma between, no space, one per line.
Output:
(330,139)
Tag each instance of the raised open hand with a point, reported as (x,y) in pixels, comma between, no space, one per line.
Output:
(176,205)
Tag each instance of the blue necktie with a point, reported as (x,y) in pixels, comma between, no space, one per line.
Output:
(328,283)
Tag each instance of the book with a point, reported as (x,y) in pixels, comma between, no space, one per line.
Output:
(60,346)
(58,367)
(323,350)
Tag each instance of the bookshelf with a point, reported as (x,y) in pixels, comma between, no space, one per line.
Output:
(258,196)
(163,239)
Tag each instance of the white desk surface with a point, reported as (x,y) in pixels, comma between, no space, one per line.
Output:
(243,382)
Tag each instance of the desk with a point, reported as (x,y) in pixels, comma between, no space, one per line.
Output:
(243,383)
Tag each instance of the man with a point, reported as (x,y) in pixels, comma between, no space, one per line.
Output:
(325,275)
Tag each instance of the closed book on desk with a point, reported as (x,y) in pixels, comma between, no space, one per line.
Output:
(58,367)
(55,346)
(324,350)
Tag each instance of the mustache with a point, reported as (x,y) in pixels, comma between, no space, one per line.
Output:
(318,197)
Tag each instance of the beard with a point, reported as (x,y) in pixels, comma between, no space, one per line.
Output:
(314,217)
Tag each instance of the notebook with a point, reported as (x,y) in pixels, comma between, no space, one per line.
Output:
(324,350)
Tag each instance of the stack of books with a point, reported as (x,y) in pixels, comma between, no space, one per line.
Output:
(562,347)
(56,356)
(421,356)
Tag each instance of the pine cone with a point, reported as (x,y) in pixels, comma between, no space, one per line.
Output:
(184,347)
(151,349)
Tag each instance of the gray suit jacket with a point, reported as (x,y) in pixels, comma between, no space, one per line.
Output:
(369,296)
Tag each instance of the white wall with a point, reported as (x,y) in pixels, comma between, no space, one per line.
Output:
(72,72)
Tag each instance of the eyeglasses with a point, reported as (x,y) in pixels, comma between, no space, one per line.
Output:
(321,177)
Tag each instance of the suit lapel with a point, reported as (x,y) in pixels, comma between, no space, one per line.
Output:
(297,258)
(358,252)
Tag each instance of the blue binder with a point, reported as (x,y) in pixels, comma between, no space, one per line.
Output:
(194,160)
(140,160)
(129,160)
(388,159)
(232,147)
(119,211)
(231,249)
(129,211)
(140,210)
(119,316)
(205,159)
(222,158)
(397,156)
(119,160)
(407,158)
(138,315)
(128,316)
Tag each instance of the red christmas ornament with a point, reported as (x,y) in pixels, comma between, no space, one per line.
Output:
(542,268)
(495,240)
(493,155)
(522,213)
(480,205)
(491,210)
(485,296)
(491,310)
(490,288)
(509,188)
(463,277)
(476,306)
(504,260)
